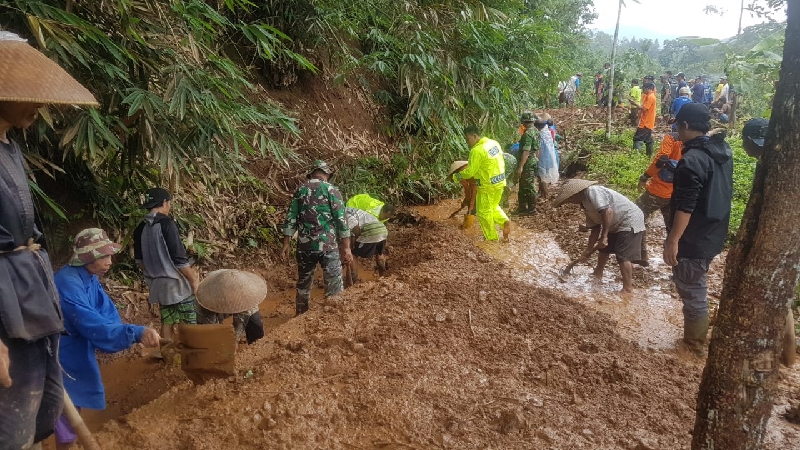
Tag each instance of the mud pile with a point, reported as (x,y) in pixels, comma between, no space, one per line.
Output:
(450,351)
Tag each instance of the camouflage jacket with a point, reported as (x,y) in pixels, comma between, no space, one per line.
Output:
(317,215)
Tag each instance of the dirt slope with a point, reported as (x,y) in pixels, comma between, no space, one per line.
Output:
(397,363)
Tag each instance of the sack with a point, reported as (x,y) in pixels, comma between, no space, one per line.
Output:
(666,168)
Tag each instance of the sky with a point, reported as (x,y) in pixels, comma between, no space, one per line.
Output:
(650,18)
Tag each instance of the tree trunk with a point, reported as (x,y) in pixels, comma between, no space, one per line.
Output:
(741,14)
(611,78)
(736,393)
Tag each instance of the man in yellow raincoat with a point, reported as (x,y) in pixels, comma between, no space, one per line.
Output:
(487,167)
(383,211)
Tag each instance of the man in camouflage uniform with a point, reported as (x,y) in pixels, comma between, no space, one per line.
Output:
(317,215)
(527,165)
(511,167)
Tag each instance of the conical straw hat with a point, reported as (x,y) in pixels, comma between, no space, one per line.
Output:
(570,188)
(455,166)
(229,291)
(27,75)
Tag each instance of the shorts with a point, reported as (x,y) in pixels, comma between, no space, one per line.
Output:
(643,135)
(363,250)
(184,312)
(626,245)
(64,432)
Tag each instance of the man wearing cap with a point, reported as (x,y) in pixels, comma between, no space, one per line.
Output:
(700,210)
(723,90)
(527,165)
(31,386)
(681,80)
(616,224)
(92,323)
(487,166)
(647,119)
(753,135)
(159,251)
(683,98)
(317,215)
(382,211)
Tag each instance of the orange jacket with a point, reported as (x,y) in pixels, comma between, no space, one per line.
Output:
(671,147)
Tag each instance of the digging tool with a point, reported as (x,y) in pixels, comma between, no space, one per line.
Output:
(207,351)
(456,211)
(84,435)
(567,270)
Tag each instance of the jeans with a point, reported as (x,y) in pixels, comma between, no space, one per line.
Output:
(30,408)
(690,280)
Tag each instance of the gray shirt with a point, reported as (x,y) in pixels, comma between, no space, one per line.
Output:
(29,307)
(627,216)
(158,247)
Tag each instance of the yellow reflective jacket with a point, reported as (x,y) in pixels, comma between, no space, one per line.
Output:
(486,165)
(366,203)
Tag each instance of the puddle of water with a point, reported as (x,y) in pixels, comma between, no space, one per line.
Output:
(648,316)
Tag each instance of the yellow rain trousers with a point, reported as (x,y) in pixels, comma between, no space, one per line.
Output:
(487,166)
(489,211)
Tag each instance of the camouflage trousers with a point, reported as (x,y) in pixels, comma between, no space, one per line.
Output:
(307,261)
(527,187)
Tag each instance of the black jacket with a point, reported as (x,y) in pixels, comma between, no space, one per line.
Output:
(703,187)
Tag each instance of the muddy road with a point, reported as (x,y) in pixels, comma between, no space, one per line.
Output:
(465,344)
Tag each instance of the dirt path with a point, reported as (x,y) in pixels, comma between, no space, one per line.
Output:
(454,349)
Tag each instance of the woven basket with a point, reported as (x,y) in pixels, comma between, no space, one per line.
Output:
(27,75)
(230,291)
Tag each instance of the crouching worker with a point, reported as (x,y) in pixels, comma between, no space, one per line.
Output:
(368,240)
(616,224)
(228,292)
(92,323)
(381,210)
(470,191)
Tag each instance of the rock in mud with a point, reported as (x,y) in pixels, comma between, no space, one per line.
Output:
(511,421)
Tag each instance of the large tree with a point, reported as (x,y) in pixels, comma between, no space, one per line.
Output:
(736,393)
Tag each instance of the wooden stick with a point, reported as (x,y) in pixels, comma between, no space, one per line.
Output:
(84,435)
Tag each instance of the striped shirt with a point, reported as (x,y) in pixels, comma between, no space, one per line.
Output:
(372,229)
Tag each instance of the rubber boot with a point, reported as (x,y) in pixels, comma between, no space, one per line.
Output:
(694,334)
(649,148)
(469,222)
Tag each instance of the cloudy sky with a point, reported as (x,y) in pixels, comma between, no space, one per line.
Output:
(670,18)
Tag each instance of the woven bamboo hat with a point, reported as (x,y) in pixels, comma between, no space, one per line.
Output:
(230,291)
(570,188)
(455,166)
(27,75)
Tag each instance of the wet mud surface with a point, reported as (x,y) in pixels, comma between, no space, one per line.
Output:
(465,344)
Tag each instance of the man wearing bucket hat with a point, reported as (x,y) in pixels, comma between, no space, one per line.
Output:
(317,215)
(700,211)
(616,224)
(31,389)
(470,191)
(487,166)
(228,292)
(92,323)
(159,251)
(527,165)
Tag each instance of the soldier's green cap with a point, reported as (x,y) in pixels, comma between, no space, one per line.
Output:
(319,165)
(90,245)
(527,117)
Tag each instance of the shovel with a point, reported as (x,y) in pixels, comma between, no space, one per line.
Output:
(565,271)
(207,351)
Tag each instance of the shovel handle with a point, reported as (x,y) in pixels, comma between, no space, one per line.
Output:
(87,440)
(164,341)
